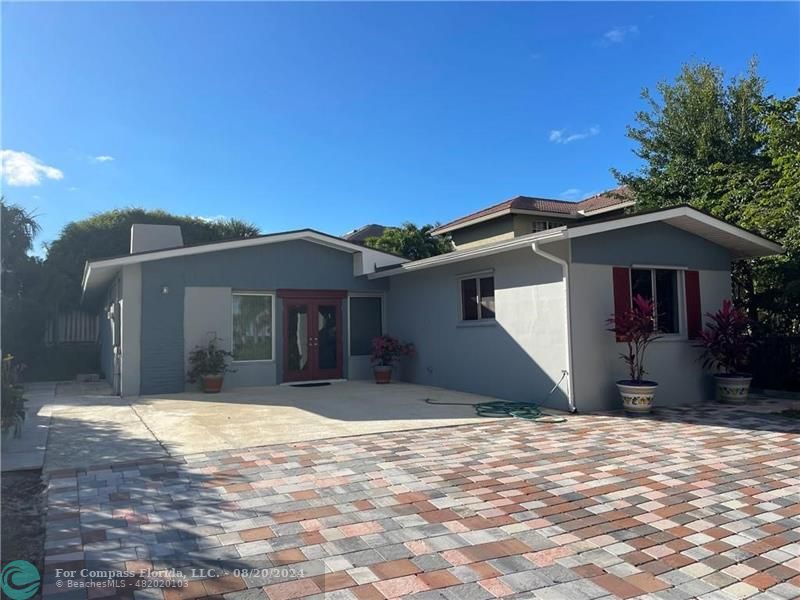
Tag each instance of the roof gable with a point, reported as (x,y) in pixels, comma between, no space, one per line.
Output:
(617,198)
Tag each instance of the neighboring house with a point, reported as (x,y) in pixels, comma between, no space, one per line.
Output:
(362,234)
(508,314)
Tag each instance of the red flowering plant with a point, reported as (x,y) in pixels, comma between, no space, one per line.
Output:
(386,350)
(637,328)
(726,340)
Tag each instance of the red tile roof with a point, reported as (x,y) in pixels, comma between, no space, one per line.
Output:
(546,205)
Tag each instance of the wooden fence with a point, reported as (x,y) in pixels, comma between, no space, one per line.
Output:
(72,327)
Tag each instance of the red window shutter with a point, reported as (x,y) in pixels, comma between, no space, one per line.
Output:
(622,291)
(694,318)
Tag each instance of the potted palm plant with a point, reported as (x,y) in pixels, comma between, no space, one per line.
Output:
(636,327)
(386,351)
(726,344)
(208,364)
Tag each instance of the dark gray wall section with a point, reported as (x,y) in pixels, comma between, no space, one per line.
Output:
(650,244)
(295,264)
(484,230)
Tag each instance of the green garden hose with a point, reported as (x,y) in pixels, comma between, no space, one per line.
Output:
(501,409)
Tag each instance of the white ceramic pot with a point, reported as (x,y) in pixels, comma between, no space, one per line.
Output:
(637,398)
(732,389)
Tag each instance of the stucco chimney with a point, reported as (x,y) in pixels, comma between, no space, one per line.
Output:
(155,237)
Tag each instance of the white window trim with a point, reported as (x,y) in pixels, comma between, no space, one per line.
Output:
(272,325)
(479,321)
(547,225)
(382,297)
(682,334)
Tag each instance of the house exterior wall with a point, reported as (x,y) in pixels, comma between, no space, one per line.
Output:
(105,336)
(673,363)
(487,232)
(519,357)
(523,224)
(131,330)
(198,302)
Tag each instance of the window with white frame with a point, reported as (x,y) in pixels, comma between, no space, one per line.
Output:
(477,297)
(253,325)
(539,225)
(662,287)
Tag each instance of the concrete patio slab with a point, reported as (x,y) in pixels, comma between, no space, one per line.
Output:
(195,422)
(89,427)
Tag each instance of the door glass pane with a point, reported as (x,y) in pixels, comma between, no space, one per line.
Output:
(487,297)
(667,301)
(326,336)
(365,324)
(297,338)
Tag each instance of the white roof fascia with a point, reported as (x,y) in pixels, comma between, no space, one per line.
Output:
(678,212)
(605,209)
(549,235)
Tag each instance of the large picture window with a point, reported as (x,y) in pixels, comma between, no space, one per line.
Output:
(252,326)
(660,286)
(477,298)
(366,323)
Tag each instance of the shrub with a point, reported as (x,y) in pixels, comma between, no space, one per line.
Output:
(208,360)
(386,350)
(726,340)
(636,327)
(13,402)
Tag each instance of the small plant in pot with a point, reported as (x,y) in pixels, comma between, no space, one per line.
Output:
(208,364)
(636,327)
(726,344)
(386,351)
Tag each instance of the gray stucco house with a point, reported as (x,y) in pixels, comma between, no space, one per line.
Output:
(518,306)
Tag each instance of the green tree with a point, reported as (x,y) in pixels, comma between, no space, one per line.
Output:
(724,148)
(411,241)
(24,297)
(698,135)
(108,234)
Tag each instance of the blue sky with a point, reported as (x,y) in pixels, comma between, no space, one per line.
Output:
(336,115)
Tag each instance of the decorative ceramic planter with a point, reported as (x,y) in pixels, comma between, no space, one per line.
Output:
(732,389)
(637,398)
(211,384)
(383,373)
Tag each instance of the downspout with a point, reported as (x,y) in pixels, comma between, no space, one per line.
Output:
(536,247)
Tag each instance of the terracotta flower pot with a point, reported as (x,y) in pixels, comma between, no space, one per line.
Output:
(733,388)
(637,398)
(211,384)
(383,373)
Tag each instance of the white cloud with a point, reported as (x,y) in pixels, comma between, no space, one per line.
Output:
(212,219)
(562,136)
(103,158)
(617,35)
(22,169)
(571,194)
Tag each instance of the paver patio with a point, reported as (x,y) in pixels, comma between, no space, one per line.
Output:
(695,503)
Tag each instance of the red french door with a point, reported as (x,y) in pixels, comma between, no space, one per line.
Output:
(312,334)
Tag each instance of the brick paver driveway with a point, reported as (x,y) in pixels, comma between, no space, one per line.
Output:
(693,504)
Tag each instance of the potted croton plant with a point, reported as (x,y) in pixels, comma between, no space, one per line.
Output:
(636,328)
(726,344)
(208,364)
(386,351)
